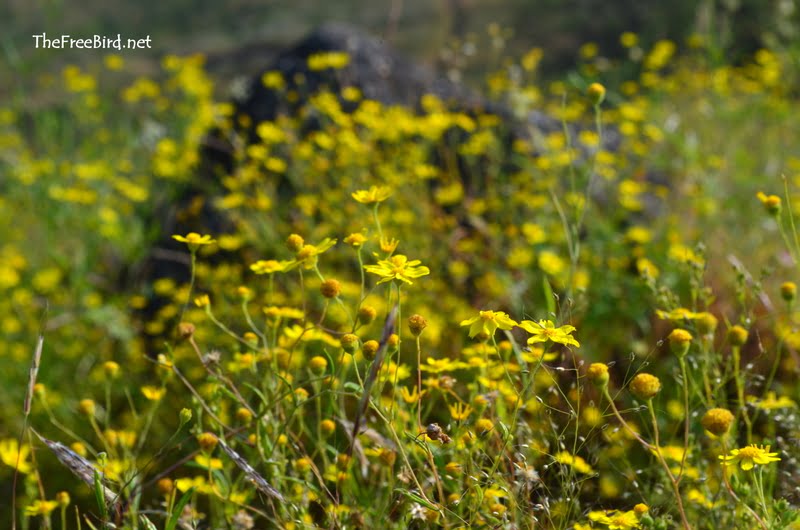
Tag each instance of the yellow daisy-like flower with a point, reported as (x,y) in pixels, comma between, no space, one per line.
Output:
(459,411)
(616,520)
(270,266)
(307,255)
(10,452)
(398,268)
(40,507)
(545,330)
(194,240)
(153,393)
(372,195)
(487,322)
(749,457)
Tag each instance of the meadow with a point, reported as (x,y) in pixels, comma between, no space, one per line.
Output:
(404,317)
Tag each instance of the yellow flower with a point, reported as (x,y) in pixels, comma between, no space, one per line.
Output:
(411,396)
(545,330)
(616,520)
(459,411)
(40,507)
(398,268)
(325,60)
(772,402)
(270,266)
(307,255)
(575,462)
(772,203)
(10,452)
(750,456)
(207,462)
(487,322)
(356,239)
(373,195)
(153,393)
(194,240)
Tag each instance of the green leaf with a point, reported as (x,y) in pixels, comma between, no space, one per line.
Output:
(178,509)
(98,495)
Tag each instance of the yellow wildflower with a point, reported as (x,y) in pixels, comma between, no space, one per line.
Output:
(194,240)
(750,456)
(40,507)
(545,330)
(487,322)
(10,452)
(374,194)
(398,268)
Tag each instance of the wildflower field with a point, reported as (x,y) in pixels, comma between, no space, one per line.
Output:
(374,316)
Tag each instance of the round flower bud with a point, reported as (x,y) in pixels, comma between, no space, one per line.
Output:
(596,93)
(87,407)
(369,349)
(641,509)
(207,441)
(789,291)
(416,323)
(392,343)
(245,293)
(62,498)
(295,242)
(598,374)
(349,343)
(318,364)
(244,415)
(737,336)
(717,421)
(185,330)
(302,465)
(366,314)
(645,386)
(679,341)
(165,486)
(327,427)
(185,416)
(706,323)
(111,369)
(330,288)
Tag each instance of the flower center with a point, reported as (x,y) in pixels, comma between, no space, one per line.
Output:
(748,452)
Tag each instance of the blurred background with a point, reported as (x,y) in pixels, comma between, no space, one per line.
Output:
(240,36)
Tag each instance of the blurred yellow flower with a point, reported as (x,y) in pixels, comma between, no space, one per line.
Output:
(373,195)
(40,507)
(194,240)
(10,452)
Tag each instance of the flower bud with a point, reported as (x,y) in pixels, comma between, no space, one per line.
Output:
(737,336)
(598,374)
(679,341)
(717,421)
(596,93)
(645,386)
